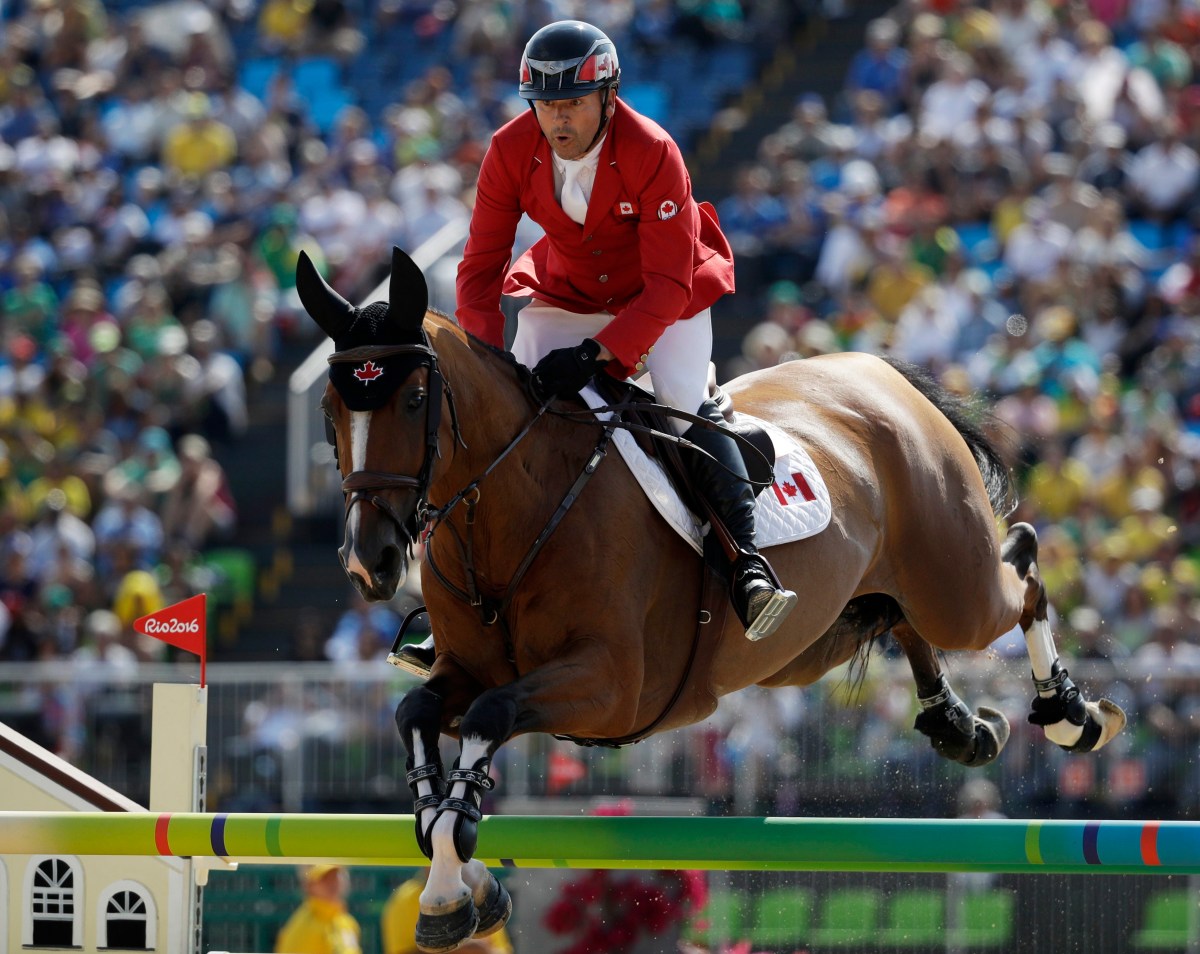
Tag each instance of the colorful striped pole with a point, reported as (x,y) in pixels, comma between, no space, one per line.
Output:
(766,844)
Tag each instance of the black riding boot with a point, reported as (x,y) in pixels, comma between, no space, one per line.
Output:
(760,602)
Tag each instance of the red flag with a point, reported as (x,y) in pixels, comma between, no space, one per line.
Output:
(564,770)
(182,625)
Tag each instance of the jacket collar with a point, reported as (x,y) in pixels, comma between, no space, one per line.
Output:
(607,184)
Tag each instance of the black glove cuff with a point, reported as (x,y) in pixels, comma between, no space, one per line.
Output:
(589,350)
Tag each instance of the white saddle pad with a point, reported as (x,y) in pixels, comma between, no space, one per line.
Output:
(795,506)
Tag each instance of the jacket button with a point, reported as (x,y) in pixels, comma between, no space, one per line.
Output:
(645,356)
(638,366)
(596,251)
(603,278)
(589,238)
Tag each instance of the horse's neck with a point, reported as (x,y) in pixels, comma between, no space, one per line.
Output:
(493,410)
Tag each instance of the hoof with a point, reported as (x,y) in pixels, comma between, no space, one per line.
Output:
(495,910)
(960,735)
(1105,720)
(991,735)
(446,930)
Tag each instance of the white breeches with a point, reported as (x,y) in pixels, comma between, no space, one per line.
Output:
(678,365)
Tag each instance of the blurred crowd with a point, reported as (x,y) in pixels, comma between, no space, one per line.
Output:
(1006,194)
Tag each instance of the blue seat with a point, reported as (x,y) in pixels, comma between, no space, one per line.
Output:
(323,107)
(733,64)
(315,74)
(978,243)
(649,99)
(255,75)
(1152,235)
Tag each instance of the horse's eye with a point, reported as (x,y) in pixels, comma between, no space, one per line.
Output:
(416,399)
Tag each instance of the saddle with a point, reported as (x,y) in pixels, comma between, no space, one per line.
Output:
(755,445)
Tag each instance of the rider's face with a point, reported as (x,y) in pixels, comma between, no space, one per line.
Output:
(570,125)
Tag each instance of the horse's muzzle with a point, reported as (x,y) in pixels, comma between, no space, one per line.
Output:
(378,576)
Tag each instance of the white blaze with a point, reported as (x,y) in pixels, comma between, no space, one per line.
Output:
(360,426)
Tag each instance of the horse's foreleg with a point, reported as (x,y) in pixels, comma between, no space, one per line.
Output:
(462,898)
(1068,719)
(955,731)
(419,720)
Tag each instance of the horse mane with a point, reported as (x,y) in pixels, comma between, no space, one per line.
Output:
(505,357)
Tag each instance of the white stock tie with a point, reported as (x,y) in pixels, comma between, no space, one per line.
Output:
(573,201)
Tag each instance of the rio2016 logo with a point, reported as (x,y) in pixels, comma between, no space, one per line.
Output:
(172,626)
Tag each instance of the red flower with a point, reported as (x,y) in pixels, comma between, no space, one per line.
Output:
(562,916)
(608,914)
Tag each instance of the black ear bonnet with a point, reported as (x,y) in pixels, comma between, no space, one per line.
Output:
(368,384)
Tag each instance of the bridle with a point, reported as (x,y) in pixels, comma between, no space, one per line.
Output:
(365,485)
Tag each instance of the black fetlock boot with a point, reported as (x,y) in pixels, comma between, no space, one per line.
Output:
(759,599)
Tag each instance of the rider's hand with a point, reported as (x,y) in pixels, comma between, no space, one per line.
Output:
(565,370)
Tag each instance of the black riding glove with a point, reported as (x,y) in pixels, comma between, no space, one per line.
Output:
(565,370)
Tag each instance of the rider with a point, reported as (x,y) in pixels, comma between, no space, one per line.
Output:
(625,276)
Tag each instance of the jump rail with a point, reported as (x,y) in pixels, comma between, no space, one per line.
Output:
(763,844)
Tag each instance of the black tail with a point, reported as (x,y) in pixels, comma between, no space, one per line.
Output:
(972,420)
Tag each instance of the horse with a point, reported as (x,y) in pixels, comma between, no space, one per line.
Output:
(563,603)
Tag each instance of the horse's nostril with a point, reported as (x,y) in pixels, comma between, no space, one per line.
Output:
(391,563)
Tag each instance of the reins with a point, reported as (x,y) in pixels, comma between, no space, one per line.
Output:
(491,611)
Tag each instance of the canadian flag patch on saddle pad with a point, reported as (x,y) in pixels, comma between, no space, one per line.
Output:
(795,506)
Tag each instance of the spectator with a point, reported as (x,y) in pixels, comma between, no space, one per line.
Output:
(201,144)
(57,527)
(1164,176)
(882,66)
(199,508)
(321,925)
(952,102)
(1035,247)
(1099,70)
(1104,167)
(752,218)
(214,386)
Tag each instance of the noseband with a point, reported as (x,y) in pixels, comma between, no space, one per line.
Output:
(365,485)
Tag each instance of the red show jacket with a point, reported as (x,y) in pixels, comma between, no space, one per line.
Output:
(647,252)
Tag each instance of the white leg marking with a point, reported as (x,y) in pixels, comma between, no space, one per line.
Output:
(446,885)
(1042,656)
(425,786)
(360,426)
(1039,642)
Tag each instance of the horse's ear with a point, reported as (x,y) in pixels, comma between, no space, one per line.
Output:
(408,295)
(322,302)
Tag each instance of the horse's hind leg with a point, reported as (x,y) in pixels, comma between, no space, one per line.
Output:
(1068,719)
(955,732)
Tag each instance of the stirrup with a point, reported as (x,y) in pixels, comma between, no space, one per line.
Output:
(767,605)
(415,658)
(774,609)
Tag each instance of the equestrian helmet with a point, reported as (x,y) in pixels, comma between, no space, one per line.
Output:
(566,59)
